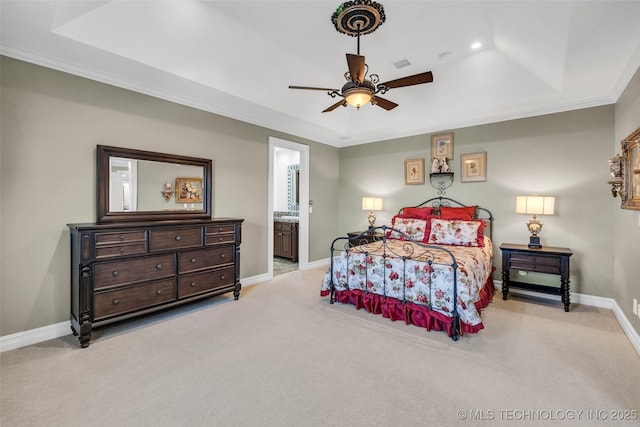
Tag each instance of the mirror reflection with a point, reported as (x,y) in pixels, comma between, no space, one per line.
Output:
(143,185)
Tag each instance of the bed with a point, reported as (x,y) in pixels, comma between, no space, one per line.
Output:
(431,268)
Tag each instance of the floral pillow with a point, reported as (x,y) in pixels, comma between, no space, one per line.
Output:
(457,232)
(416,229)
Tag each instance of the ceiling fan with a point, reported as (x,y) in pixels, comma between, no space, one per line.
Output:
(355,18)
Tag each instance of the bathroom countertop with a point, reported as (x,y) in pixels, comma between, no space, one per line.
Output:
(286,219)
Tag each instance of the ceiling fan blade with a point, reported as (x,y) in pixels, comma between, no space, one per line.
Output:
(356,66)
(336,105)
(416,79)
(385,103)
(313,88)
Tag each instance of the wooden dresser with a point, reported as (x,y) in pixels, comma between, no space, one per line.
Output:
(123,270)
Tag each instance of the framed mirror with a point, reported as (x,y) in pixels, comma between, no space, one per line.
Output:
(137,185)
(631,171)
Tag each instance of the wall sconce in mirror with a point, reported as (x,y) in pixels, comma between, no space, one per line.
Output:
(371,204)
(617,183)
(535,205)
(167,192)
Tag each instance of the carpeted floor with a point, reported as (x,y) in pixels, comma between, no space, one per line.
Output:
(283,356)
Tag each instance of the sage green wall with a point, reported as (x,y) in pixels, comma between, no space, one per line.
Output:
(562,154)
(626,244)
(51,124)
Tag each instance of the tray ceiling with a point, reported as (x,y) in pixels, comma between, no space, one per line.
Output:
(237,58)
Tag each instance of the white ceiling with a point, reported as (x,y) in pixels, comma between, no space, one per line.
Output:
(237,58)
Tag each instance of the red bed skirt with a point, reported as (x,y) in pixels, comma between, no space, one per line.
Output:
(415,314)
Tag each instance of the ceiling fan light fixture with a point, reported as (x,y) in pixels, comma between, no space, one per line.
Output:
(358,94)
(358,97)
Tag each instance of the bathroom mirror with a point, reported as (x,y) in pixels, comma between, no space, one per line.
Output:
(137,185)
(293,187)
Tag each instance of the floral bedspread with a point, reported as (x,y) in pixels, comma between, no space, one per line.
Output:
(380,270)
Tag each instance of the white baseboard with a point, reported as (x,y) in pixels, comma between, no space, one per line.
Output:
(590,300)
(319,263)
(34,336)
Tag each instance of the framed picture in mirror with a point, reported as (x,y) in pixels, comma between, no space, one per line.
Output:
(189,190)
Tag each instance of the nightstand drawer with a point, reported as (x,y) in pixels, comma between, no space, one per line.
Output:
(535,263)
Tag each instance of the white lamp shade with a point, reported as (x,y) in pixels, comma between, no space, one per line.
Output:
(371,203)
(535,205)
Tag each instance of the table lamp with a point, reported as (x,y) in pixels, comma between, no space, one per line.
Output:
(371,204)
(535,205)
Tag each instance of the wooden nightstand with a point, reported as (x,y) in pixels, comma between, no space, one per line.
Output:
(357,238)
(547,260)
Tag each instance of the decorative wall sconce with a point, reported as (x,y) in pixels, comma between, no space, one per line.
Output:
(535,205)
(167,193)
(617,183)
(371,204)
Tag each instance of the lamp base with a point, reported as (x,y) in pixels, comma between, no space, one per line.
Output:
(534,242)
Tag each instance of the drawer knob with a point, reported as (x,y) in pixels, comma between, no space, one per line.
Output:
(221,255)
(115,273)
(222,277)
(178,238)
(220,229)
(121,237)
(159,292)
(115,301)
(193,284)
(121,250)
(158,266)
(193,260)
(220,239)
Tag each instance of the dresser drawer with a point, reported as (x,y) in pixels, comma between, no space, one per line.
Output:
(176,238)
(121,250)
(121,237)
(134,298)
(116,273)
(204,258)
(218,229)
(219,239)
(204,282)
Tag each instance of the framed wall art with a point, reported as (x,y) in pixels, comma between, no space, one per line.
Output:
(473,167)
(189,190)
(631,171)
(442,146)
(414,171)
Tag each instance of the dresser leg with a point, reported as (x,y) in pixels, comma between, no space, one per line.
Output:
(236,291)
(84,334)
(505,284)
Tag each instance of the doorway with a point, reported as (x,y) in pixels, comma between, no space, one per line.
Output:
(288,202)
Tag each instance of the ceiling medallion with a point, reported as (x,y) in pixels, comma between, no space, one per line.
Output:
(358,17)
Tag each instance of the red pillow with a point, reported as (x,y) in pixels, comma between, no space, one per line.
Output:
(466,213)
(419,213)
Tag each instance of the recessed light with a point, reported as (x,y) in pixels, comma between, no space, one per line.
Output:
(476,45)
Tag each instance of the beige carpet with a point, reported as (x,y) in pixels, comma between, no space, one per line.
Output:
(283,356)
